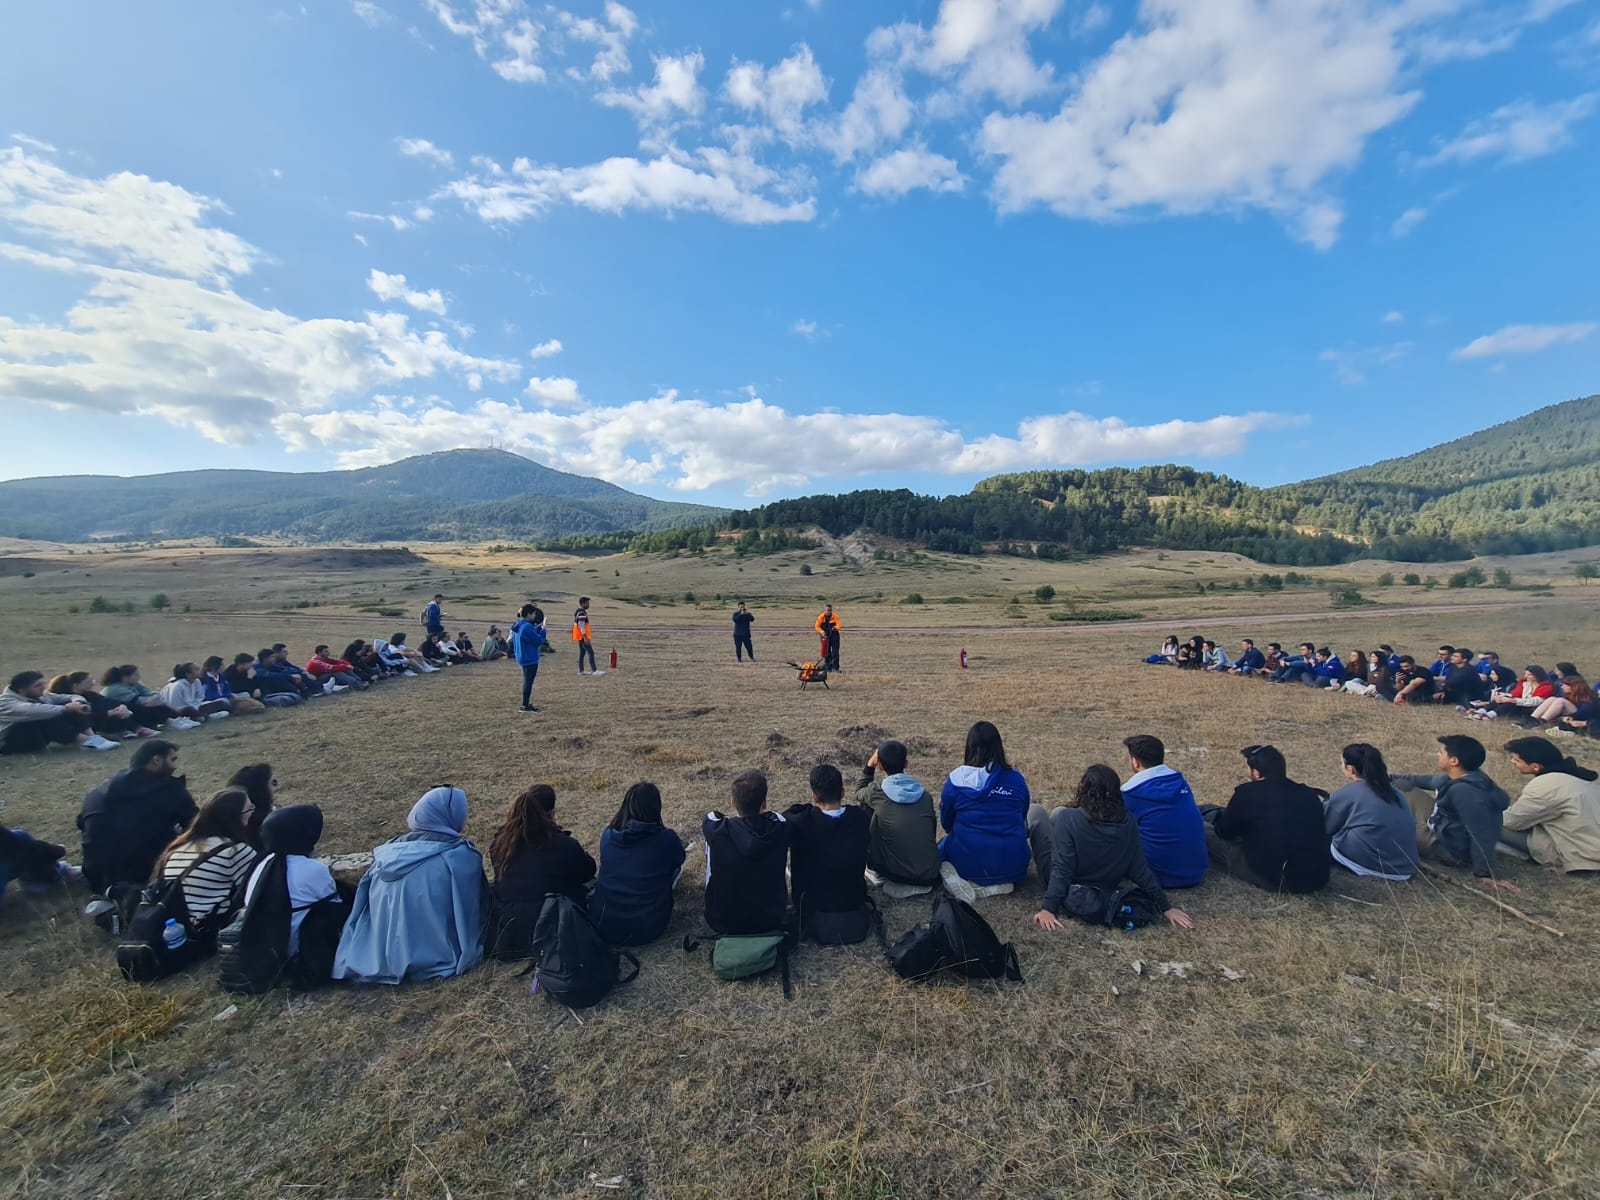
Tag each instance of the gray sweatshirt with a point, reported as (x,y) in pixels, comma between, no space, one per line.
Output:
(1466,818)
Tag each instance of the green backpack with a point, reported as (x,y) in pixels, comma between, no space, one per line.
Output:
(742,956)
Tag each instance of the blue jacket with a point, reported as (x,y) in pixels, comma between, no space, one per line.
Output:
(985,817)
(432,617)
(1333,669)
(1170,827)
(527,642)
(1251,660)
(418,913)
(632,901)
(217,688)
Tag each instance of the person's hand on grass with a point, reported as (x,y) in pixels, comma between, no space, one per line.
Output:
(1045,919)
(1177,917)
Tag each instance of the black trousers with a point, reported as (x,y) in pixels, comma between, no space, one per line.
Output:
(742,646)
(29,737)
(833,652)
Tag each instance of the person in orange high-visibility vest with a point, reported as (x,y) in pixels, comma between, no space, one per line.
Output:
(581,635)
(828,627)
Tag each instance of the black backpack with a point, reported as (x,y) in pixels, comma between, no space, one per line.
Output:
(577,967)
(956,939)
(144,955)
(253,950)
(1121,908)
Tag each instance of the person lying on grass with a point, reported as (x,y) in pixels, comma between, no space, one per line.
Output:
(1096,842)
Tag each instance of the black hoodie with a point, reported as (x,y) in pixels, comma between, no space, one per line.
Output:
(127,822)
(746,892)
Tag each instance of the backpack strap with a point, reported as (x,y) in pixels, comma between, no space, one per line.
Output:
(1013,967)
(877,925)
(633,961)
(783,969)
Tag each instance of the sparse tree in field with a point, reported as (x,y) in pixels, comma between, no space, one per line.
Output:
(1346,595)
(1412,579)
(1586,571)
(160,601)
(1386,579)
(1502,578)
(1044,593)
(805,568)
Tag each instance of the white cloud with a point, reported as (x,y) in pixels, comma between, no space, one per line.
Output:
(393,287)
(155,325)
(1407,221)
(879,111)
(691,445)
(554,390)
(1213,106)
(1393,317)
(906,170)
(1352,363)
(609,35)
(780,95)
(423,148)
(502,34)
(805,328)
(33,143)
(546,349)
(732,186)
(676,91)
(390,219)
(985,42)
(373,14)
(1517,132)
(1525,339)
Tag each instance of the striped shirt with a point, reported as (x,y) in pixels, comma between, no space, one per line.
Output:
(210,889)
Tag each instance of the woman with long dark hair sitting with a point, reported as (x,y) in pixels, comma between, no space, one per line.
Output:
(261,785)
(106,717)
(640,862)
(533,857)
(123,685)
(217,856)
(1370,826)
(1556,820)
(984,811)
(1095,842)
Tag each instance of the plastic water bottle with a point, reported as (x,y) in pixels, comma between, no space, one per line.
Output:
(1127,911)
(174,934)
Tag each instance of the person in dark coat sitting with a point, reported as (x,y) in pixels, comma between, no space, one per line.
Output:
(640,862)
(128,820)
(533,857)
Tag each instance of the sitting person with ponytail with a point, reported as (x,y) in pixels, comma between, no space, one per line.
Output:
(1556,820)
(418,913)
(1370,826)
(123,685)
(107,718)
(640,863)
(533,857)
(216,854)
(185,695)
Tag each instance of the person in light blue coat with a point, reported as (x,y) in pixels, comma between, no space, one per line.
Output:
(528,643)
(418,913)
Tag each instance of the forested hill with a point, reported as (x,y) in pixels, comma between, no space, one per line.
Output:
(457,494)
(1528,485)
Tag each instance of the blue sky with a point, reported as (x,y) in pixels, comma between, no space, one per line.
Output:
(726,250)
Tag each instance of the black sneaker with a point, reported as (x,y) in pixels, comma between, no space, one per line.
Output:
(529,708)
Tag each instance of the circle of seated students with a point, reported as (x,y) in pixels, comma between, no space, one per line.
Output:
(1479,686)
(1110,855)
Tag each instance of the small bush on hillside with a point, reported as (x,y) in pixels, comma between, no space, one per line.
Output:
(101,605)
(805,568)
(1502,578)
(913,598)
(1386,579)
(955,600)
(1346,596)
(1044,593)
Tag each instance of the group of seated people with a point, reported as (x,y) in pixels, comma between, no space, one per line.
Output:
(75,709)
(1477,685)
(426,909)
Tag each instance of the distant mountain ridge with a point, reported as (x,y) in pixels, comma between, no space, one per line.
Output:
(451,495)
(1521,487)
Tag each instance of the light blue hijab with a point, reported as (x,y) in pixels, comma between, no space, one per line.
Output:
(441,810)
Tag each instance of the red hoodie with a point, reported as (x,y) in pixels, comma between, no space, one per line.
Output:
(320,666)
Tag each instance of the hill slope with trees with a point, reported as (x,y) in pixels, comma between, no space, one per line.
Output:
(454,495)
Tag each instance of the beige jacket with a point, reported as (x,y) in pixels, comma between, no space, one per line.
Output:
(1562,816)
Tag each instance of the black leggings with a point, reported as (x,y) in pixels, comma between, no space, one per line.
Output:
(530,672)
(29,737)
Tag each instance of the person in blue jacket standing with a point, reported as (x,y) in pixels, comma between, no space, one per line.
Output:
(984,811)
(433,615)
(1170,825)
(528,640)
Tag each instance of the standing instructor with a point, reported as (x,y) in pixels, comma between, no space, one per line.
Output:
(528,640)
(828,627)
(743,618)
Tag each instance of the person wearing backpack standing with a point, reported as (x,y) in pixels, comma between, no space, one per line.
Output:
(746,853)
(743,618)
(582,634)
(129,819)
(528,640)
(828,862)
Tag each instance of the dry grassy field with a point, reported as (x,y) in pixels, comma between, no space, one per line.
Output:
(1381,1040)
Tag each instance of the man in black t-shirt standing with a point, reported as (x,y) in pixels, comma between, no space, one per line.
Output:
(743,618)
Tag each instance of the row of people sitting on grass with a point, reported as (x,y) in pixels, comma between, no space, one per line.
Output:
(75,709)
(425,909)
(1478,685)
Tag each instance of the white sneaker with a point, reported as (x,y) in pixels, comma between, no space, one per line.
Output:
(955,885)
(410,674)
(219,715)
(336,688)
(96,742)
(182,723)
(904,891)
(873,878)
(996,889)
(328,686)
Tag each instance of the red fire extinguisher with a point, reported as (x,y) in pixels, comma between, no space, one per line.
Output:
(963,658)
(613,658)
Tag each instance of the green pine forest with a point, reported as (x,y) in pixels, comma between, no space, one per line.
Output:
(1526,486)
